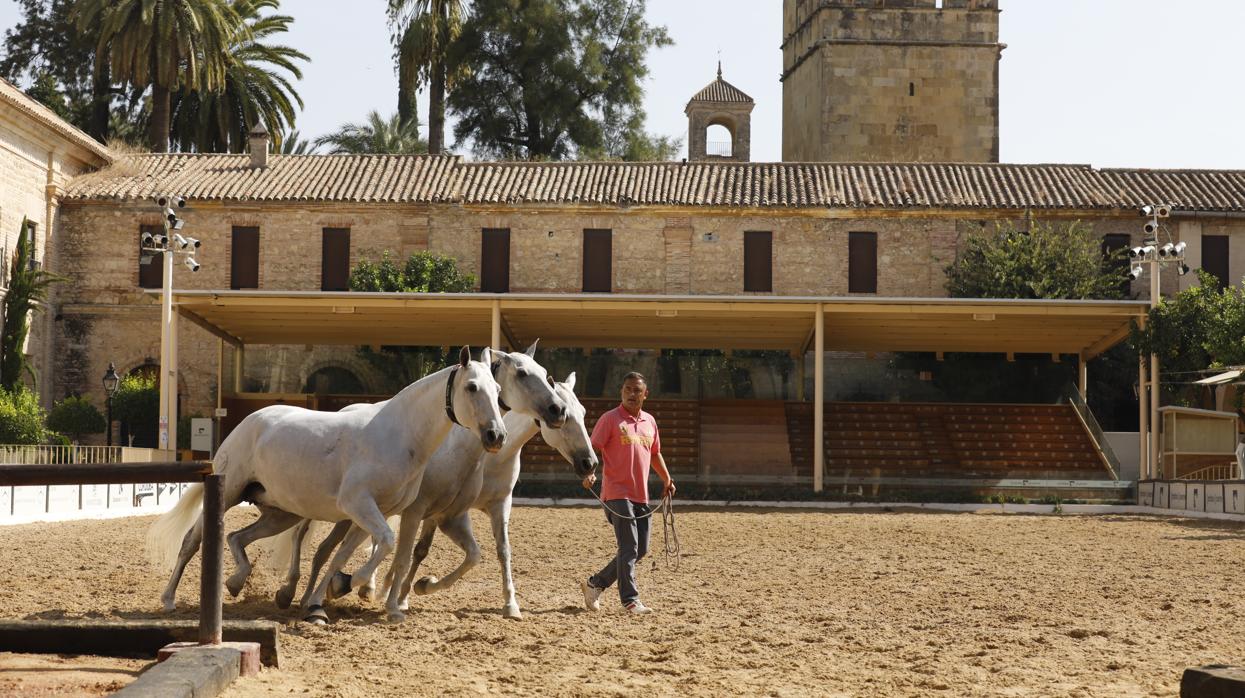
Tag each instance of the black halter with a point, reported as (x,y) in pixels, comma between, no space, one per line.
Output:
(500,402)
(449,397)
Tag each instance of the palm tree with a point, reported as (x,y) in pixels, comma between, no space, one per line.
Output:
(166,44)
(428,28)
(376,135)
(255,89)
(292,144)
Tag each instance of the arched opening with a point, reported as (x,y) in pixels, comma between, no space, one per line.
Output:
(333,380)
(139,412)
(719,141)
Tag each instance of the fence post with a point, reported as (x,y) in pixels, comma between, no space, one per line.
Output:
(213,551)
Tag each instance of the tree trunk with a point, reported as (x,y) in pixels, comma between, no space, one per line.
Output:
(101,103)
(436,109)
(408,79)
(158,129)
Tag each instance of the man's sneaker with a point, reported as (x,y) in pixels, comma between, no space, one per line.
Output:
(592,596)
(637,608)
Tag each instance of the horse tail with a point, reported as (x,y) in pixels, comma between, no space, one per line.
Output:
(164,538)
(279,548)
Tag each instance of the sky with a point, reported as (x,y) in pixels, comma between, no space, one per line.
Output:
(1111,83)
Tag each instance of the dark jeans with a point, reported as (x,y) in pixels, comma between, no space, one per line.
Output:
(632,537)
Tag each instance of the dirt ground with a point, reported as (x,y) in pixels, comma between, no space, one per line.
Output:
(765,603)
(65,676)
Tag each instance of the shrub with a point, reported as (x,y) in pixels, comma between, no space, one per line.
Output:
(21,417)
(137,404)
(75,416)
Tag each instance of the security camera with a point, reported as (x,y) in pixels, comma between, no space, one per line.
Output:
(162,201)
(170,215)
(1163,210)
(191,264)
(1150,227)
(1167,250)
(146,239)
(194,242)
(1146,211)
(1136,252)
(181,203)
(1179,248)
(185,243)
(1134,273)
(1148,250)
(161,240)
(168,201)
(1184,269)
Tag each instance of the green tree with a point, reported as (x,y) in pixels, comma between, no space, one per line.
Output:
(57,60)
(137,405)
(75,416)
(1049,260)
(294,144)
(540,77)
(376,136)
(255,89)
(427,29)
(167,45)
(28,288)
(21,417)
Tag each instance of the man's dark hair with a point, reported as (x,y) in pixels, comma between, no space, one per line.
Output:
(635,376)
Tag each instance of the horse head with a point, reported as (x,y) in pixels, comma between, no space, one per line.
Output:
(527,388)
(472,393)
(572,440)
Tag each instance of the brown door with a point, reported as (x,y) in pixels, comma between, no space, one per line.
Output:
(335,260)
(862,262)
(495,260)
(1215,257)
(151,274)
(598,261)
(758,261)
(244,265)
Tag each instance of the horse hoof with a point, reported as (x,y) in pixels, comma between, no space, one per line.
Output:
(284,598)
(421,587)
(405,605)
(234,586)
(365,592)
(512,612)
(316,616)
(170,606)
(395,617)
(340,586)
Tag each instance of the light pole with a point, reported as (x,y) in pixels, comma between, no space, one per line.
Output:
(170,243)
(1153,255)
(111,381)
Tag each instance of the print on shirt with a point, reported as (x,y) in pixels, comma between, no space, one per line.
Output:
(645,440)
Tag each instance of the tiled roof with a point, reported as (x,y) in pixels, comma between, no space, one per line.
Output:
(447,179)
(11,95)
(721,91)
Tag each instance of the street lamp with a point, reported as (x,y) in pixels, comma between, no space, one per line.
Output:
(111,381)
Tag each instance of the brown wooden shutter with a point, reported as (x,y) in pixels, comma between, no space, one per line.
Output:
(598,261)
(862,262)
(495,260)
(758,261)
(335,260)
(244,263)
(1117,265)
(150,275)
(1215,257)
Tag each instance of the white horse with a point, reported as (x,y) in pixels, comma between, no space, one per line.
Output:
(360,465)
(461,477)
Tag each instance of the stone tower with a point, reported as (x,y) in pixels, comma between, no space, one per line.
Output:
(719,104)
(890,80)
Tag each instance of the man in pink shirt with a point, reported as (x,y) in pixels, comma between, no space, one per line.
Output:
(629,443)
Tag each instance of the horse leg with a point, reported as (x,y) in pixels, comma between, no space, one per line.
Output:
(395,604)
(190,546)
(427,532)
(314,604)
(285,595)
(270,523)
(499,516)
(322,555)
(368,519)
(459,530)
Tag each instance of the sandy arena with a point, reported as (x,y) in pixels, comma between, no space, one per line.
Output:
(765,603)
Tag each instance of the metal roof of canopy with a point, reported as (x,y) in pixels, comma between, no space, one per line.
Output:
(1085,328)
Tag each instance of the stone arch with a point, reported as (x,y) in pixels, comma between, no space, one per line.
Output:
(716,127)
(332,378)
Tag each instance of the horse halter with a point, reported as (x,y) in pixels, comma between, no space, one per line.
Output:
(449,397)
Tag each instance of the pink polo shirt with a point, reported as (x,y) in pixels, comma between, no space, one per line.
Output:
(628,445)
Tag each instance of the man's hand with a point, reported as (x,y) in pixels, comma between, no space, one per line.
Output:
(590,480)
(669,489)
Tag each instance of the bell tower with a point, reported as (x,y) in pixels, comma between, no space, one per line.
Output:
(891,80)
(719,104)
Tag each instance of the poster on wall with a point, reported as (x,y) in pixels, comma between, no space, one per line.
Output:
(31,500)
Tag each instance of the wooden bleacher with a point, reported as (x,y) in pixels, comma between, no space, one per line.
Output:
(946,440)
(679,421)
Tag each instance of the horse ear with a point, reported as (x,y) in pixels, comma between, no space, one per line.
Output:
(531,351)
(570,382)
(486,356)
(464,356)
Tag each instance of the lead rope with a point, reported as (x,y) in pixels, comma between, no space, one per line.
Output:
(669,534)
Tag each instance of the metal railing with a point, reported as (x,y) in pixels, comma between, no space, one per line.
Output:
(720,148)
(25,454)
(1223,471)
(1073,396)
(88,496)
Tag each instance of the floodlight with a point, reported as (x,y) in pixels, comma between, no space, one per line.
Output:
(1180,248)
(1184,269)
(191,264)
(146,239)
(178,224)
(1134,273)
(1167,250)
(1163,210)
(1136,252)
(1151,227)
(185,243)
(1148,250)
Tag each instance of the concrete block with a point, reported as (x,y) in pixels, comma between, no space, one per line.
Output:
(1214,503)
(1234,499)
(248,662)
(1178,496)
(128,637)
(200,672)
(1214,681)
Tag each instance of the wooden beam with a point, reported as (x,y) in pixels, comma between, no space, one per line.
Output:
(819,399)
(1102,345)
